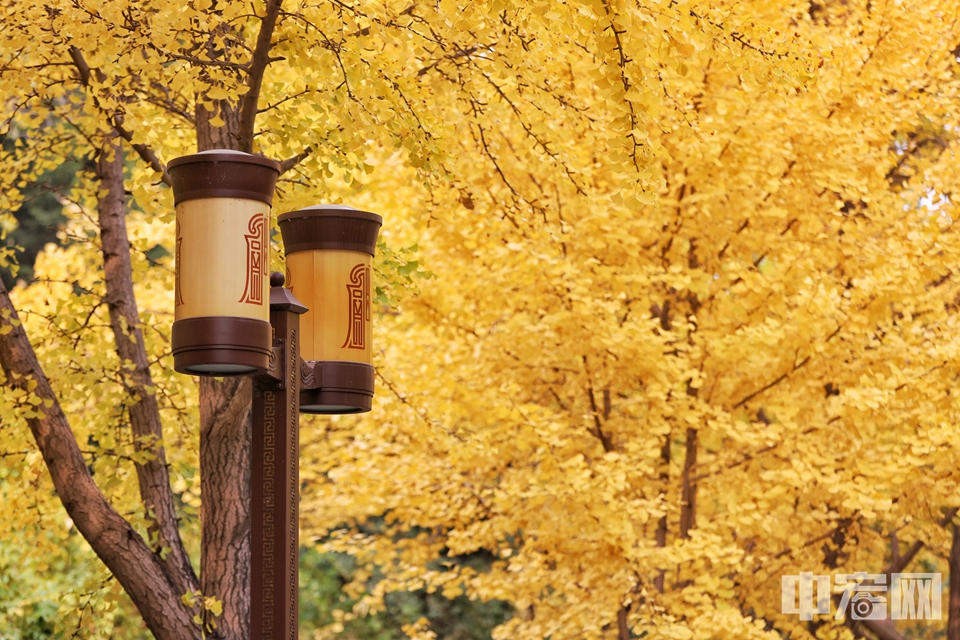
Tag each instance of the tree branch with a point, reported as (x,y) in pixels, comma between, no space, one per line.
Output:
(772,384)
(282,100)
(121,549)
(83,68)
(594,410)
(116,121)
(153,478)
(290,163)
(146,153)
(903,560)
(886,629)
(688,491)
(882,629)
(257,67)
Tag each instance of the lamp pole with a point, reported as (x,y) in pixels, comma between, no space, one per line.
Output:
(304,357)
(274,475)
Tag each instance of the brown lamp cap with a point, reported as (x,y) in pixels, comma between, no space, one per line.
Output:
(283,299)
(329,226)
(223,173)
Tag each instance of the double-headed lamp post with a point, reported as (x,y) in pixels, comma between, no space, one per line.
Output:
(310,353)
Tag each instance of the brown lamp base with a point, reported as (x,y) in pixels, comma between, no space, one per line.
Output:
(335,387)
(221,346)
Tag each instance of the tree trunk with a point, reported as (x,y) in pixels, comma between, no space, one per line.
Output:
(225,404)
(224,137)
(225,473)
(623,627)
(152,475)
(225,427)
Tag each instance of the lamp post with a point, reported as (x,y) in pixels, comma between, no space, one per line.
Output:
(311,356)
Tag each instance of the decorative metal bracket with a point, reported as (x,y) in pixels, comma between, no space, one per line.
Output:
(275,369)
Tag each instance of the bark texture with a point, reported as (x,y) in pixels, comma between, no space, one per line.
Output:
(882,629)
(225,137)
(225,473)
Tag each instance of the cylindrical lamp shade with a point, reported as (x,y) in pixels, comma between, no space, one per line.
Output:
(222,311)
(329,249)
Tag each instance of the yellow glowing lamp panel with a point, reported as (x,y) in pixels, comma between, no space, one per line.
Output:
(222,259)
(335,286)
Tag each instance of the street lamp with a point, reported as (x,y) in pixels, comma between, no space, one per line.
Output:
(329,250)
(222,314)
(231,319)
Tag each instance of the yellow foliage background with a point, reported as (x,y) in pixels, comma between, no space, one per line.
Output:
(678,249)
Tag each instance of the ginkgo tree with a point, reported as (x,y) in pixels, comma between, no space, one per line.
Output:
(690,330)
(652,405)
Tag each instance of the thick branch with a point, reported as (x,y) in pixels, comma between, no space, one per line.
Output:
(121,549)
(83,68)
(883,629)
(623,628)
(688,498)
(258,65)
(662,524)
(290,163)
(146,153)
(144,413)
(116,121)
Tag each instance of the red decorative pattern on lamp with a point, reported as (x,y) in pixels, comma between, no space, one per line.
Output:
(256,259)
(358,293)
